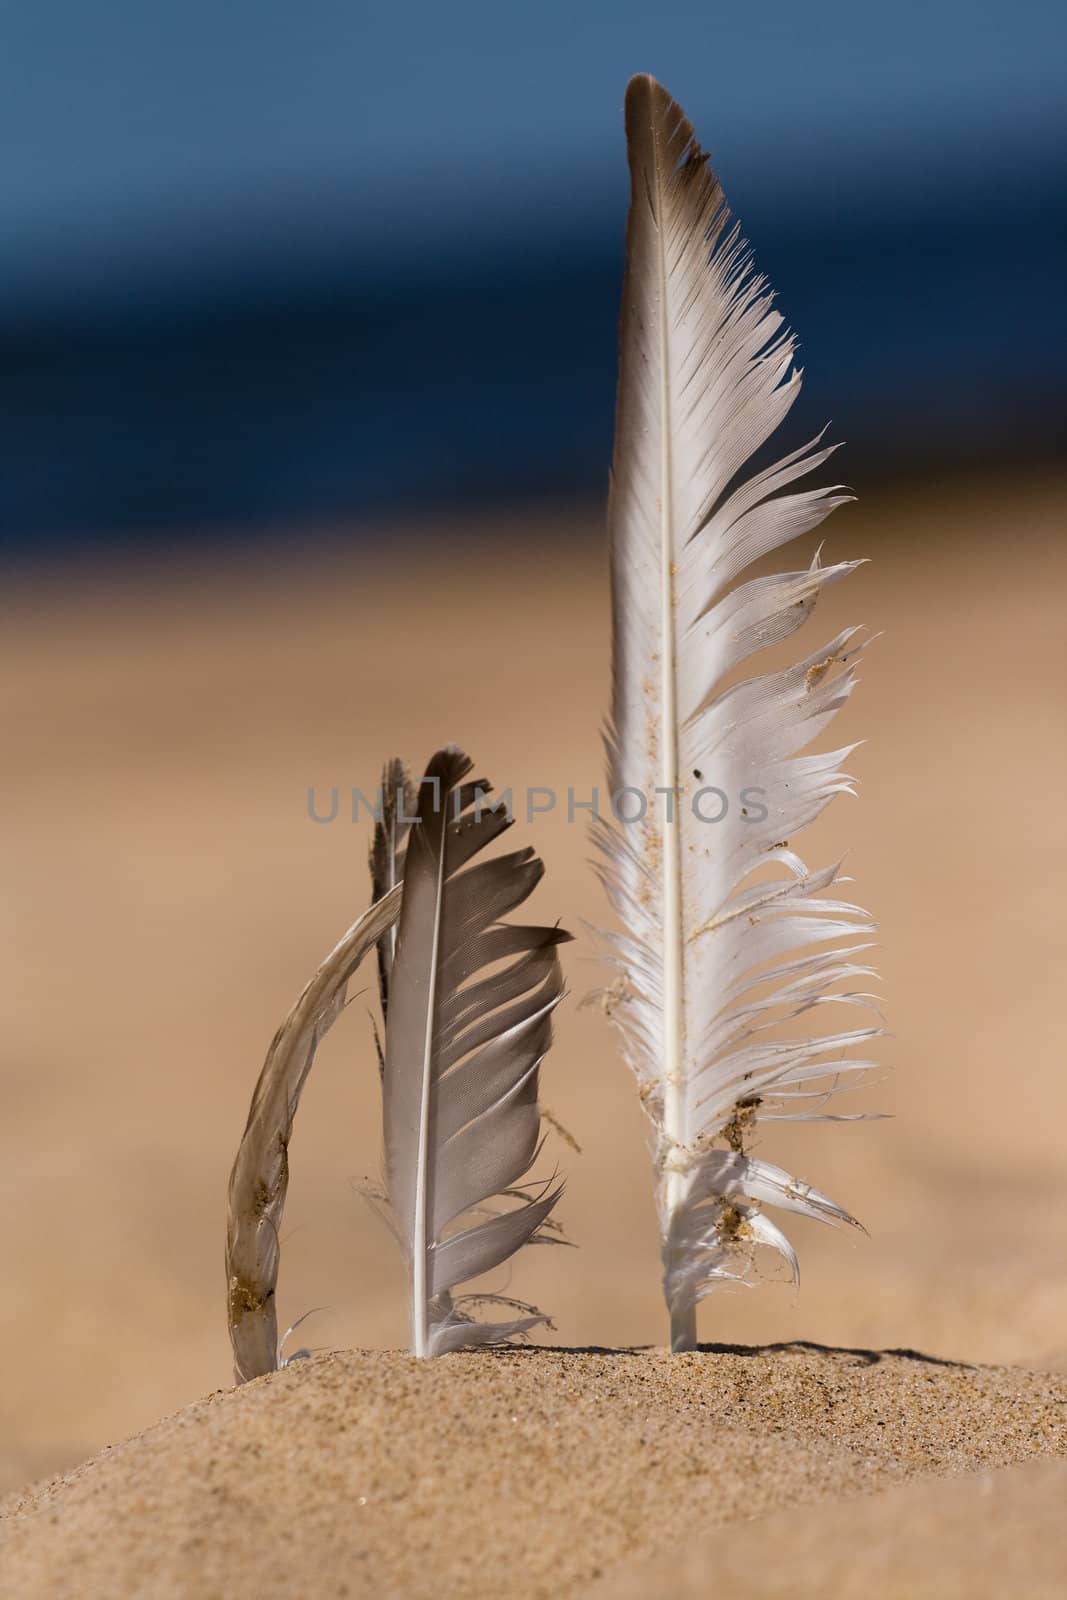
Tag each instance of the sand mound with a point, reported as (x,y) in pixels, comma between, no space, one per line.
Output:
(529,1473)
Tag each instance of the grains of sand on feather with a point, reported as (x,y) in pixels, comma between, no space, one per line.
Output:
(530,1473)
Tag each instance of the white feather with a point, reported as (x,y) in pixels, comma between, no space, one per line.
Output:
(706,376)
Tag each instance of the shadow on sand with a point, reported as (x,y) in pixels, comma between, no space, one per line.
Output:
(859,1358)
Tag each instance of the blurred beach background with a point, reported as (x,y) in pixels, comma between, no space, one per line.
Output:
(307,359)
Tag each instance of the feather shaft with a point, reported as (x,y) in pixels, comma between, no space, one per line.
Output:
(420,1331)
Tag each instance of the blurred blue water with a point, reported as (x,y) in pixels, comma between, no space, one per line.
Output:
(260,263)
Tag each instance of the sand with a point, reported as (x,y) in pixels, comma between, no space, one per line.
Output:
(986,1535)
(166,897)
(535,1474)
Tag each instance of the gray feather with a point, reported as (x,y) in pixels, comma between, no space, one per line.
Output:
(462,1122)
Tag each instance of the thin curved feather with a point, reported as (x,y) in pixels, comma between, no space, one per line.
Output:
(259,1180)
